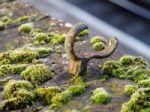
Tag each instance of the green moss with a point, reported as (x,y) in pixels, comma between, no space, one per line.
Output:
(37,73)
(41,38)
(144,83)
(57,39)
(25,28)
(58,49)
(97,39)
(22,19)
(60,99)
(77,89)
(43,52)
(12,68)
(5,19)
(98,46)
(35,31)
(130,67)
(2,25)
(17,94)
(21,100)
(139,100)
(83,33)
(140,74)
(145,110)
(24,55)
(126,60)
(130,89)
(11,88)
(46,94)
(109,66)
(100,96)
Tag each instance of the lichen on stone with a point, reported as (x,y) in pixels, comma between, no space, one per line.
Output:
(38,73)
(100,96)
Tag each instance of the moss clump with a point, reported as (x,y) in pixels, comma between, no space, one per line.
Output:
(58,49)
(130,89)
(41,38)
(139,100)
(17,94)
(25,28)
(22,19)
(5,19)
(12,68)
(144,83)
(46,94)
(76,89)
(110,68)
(21,100)
(130,67)
(100,96)
(139,74)
(11,88)
(58,39)
(60,99)
(42,52)
(98,46)
(83,33)
(24,55)
(37,73)
(97,39)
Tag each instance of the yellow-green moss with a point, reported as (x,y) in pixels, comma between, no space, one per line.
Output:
(60,99)
(145,110)
(21,100)
(97,39)
(83,33)
(37,73)
(130,89)
(139,100)
(144,83)
(77,89)
(11,88)
(24,55)
(98,46)
(41,38)
(130,67)
(58,39)
(12,68)
(100,96)
(25,28)
(46,94)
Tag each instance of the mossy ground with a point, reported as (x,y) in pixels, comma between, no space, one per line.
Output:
(58,62)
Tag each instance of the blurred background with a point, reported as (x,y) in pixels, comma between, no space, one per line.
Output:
(130,16)
(129,20)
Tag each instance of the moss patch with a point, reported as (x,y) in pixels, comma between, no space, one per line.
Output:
(37,73)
